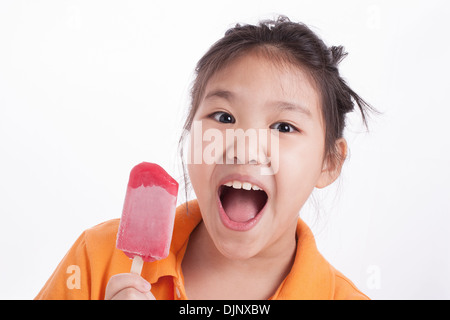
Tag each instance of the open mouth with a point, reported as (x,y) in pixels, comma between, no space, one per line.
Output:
(242,201)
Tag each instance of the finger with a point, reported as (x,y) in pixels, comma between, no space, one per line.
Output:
(121,281)
(131,294)
(150,296)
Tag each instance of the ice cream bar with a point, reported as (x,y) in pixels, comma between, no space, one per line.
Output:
(145,230)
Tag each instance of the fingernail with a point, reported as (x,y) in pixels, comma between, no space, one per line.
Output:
(147,285)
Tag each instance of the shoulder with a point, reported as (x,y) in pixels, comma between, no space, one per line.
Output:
(100,246)
(86,268)
(102,234)
(344,289)
(312,277)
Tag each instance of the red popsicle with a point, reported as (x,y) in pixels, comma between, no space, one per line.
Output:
(146,226)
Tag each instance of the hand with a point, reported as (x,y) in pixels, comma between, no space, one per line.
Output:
(128,286)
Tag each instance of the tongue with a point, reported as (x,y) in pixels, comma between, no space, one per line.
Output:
(240,205)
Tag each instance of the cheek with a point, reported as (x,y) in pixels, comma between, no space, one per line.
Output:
(199,172)
(300,166)
(199,176)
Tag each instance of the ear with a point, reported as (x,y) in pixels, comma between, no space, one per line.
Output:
(332,165)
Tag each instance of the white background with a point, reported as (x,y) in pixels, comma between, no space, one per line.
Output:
(90,88)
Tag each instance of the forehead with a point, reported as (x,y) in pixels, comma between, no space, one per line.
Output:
(256,78)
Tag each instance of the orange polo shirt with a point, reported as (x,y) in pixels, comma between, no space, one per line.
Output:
(93,259)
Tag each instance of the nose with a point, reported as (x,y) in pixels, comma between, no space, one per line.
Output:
(246,147)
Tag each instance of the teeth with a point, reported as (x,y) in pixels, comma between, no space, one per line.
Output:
(246,186)
(237,184)
(242,185)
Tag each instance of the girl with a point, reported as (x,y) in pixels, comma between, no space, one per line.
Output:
(277,85)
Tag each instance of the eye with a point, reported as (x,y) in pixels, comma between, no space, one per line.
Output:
(284,127)
(223,117)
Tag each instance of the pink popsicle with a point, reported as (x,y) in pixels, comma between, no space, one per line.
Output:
(146,226)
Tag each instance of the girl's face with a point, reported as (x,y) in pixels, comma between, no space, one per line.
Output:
(281,107)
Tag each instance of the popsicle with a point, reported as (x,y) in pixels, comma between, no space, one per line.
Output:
(146,226)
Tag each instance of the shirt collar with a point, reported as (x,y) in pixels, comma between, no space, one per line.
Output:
(310,276)
(187,217)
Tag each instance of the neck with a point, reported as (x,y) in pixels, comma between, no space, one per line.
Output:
(271,264)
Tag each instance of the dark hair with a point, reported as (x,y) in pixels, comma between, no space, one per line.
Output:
(295,43)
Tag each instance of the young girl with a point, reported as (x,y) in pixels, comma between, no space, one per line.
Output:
(242,237)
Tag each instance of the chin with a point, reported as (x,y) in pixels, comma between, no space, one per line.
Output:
(239,245)
(235,250)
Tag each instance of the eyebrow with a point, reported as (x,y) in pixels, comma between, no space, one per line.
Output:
(227,95)
(280,105)
(288,106)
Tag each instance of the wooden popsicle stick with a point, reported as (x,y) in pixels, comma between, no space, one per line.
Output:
(136,266)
